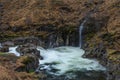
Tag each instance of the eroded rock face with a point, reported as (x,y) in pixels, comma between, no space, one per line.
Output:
(24,40)
(109,58)
(8,43)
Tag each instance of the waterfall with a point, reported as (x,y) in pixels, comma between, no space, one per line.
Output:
(0,45)
(80,33)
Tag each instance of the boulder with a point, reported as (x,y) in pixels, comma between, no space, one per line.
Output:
(29,49)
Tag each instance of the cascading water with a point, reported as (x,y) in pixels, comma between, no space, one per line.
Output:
(0,45)
(13,50)
(80,33)
(67,63)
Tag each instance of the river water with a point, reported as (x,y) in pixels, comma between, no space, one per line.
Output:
(67,63)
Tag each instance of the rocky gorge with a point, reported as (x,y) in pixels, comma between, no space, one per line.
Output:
(53,23)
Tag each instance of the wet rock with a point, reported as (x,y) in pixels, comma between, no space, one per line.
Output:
(98,51)
(4,49)
(29,49)
(24,40)
(8,43)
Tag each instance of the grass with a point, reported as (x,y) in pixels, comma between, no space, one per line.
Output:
(2,53)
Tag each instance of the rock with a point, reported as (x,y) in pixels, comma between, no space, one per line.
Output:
(24,40)
(4,27)
(27,63)
(110,58)
(19,41)
(9,64)
(29,49)
(8,43)
(4,49)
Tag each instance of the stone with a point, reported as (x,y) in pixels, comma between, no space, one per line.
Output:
(24,40)
(29,49)
(8,43)
(27,63)
(4,49)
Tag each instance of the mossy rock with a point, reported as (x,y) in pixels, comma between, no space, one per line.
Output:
(27,64)
(25,59)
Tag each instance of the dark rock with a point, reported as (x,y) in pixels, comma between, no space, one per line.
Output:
(16,28)
(28,49)
(67,9)
(4,27)
(4,49)
(8,43)
(113,70)
(98,52)
(24,40)
(19,41)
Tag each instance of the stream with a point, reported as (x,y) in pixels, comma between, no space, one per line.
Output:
(67,63)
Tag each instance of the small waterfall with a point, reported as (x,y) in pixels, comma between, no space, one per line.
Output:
(80,33)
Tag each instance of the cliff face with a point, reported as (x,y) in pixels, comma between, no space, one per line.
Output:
(41,17)
(102,37)
(58,21)
(24,15)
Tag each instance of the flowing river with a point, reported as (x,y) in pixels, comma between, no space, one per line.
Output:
(67,63)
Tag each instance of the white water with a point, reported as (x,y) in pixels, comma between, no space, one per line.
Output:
(80,33)
(64,59)
(68,59)
(0,45)
(13,50)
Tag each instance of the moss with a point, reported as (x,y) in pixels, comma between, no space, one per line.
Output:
(27,60)
(117,72)
(8,35)
(31,71)
(3,54)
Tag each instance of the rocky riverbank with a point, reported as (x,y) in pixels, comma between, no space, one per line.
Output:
(18,68)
